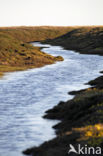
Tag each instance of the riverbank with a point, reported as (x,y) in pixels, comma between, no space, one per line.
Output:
(81,122)
(17,54)
(81,118)
(85,40)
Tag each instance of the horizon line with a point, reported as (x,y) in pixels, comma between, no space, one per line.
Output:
(49,26)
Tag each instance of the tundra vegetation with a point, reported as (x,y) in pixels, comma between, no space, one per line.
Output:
(86,40)
(17,54)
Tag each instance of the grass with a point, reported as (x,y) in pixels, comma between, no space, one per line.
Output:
(28,34)
(17,54)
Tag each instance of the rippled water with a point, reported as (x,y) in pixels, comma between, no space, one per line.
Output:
(26,95)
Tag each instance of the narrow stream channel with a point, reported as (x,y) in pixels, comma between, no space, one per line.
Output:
(26,95)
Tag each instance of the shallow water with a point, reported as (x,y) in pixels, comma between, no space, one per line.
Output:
(26,95)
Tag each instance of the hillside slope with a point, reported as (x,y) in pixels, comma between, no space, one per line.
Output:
(17,54)
(86,40)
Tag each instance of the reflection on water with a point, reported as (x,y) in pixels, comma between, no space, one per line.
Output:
(26,95)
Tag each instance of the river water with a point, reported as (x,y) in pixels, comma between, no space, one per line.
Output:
(26,95)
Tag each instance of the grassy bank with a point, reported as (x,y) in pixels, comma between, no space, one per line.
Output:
(17,54)
(86,40)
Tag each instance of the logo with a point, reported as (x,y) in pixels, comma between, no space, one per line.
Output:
(72,149)
(84,150)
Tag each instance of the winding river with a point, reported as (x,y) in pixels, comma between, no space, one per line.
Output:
(26,95)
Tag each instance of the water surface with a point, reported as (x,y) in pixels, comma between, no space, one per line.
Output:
(26,95)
